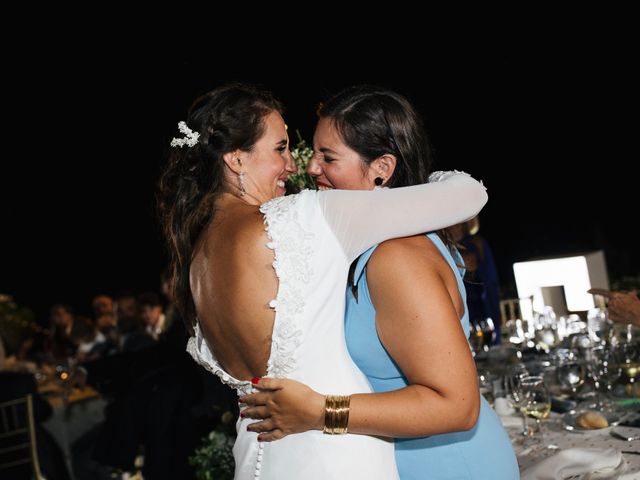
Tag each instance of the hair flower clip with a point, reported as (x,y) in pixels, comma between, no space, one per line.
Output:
(190,139)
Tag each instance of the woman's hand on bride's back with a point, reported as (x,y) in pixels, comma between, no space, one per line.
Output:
(283,407)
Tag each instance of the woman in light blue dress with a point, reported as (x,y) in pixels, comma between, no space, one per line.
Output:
(484,451)
(406,324)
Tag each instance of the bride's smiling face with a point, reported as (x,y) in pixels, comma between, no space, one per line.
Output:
(269,163)
(336,165)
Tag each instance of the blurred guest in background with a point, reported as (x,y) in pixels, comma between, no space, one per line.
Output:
(103,307)
(105,318)
(131,328)
(152,315)
(90,343)
(623,307)
(63,322)
(481,280)
(126,307)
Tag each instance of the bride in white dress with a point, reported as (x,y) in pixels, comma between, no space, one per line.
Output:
(260,278)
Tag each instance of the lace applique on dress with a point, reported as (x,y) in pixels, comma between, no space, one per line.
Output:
(292,251)
(199,349)
(443,174)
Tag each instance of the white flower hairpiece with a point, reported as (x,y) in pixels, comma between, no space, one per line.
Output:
(191,137)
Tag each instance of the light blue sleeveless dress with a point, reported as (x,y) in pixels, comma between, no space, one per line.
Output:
(484,452)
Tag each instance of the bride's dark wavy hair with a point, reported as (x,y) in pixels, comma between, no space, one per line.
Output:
(374,121)
(228,118)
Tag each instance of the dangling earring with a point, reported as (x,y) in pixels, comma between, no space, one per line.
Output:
(378,181)
(241,180)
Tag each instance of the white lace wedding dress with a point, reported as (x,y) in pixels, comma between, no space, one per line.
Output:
(315,237)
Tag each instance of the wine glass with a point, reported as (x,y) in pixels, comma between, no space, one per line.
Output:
(488,332)
(546,333)
(570,370)
(599,325)
(513,389)
(605,368)
(536,402)
(626,357)
(476,339)
(515,332)
(62,372)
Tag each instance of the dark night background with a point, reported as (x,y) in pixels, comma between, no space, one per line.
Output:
(548,126)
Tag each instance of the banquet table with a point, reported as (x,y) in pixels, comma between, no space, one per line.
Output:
(556,438)
(83,410)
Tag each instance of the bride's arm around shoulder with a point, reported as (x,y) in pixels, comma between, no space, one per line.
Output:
(450,198)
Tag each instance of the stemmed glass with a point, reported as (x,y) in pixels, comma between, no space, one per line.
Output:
(488,332)
(62,372)
(599,325)
(605,369)
(515,332)
(536,401)
(625,355)
(513,389)
(482,336)
(546,334)
(570,370)
(476,339)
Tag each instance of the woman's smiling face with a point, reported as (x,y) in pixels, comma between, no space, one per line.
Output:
(334,164)
(270,162)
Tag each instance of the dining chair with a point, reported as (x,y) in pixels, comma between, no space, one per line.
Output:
(18,438)
(510,309)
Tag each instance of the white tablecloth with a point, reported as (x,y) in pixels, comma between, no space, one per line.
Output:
(556,435)
(68,423)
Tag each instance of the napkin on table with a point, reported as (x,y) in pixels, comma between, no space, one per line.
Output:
(574,461)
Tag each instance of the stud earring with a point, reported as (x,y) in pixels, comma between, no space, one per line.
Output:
(378,181)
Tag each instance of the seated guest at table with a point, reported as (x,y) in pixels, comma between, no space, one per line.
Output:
(126,307)
(133,336)
(131,327)
(25,346)
(103,306)
(90,343)
(62,324)
(105,318)
(152,315)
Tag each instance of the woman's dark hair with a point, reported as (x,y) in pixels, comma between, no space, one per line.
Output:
(228,118)
(374,121)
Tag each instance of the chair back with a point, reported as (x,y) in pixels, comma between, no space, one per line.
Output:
(18,450)
(510,309)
